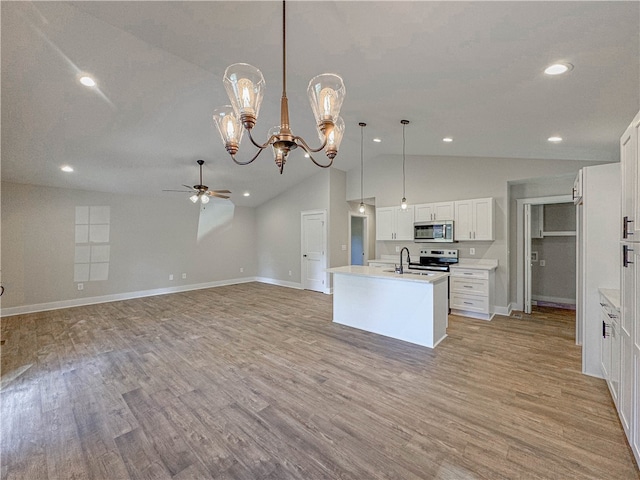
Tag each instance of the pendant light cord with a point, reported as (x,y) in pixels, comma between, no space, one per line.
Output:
(362,125)
(403,161)
(284,50)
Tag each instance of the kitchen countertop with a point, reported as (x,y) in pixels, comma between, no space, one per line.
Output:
(482,264)
(380,273)
(612,295)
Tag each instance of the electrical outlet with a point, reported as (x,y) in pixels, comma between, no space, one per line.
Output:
(241,270)
(81,286)
(184,275)
(472,251)
(344,247)
(171,276)
(289,272)
(542,263)
(397,249)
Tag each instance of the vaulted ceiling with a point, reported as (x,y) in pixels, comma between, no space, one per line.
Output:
(469,70)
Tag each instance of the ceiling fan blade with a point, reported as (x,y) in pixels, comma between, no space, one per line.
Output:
(213,194)
(181,191)
(221,191)
(188,186)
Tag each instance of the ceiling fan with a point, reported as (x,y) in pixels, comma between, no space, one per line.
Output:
(201,192)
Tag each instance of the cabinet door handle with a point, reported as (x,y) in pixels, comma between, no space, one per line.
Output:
(625,227)
(625,252)
(467,286)
(467,303)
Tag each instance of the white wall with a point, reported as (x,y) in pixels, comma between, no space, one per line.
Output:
(149,239)
(432,179)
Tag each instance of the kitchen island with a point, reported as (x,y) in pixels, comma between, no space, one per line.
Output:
(409,306)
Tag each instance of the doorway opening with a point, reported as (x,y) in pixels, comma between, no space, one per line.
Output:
(358,239)
(530,226)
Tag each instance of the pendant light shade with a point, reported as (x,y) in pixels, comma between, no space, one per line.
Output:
(362,208)
(403,203)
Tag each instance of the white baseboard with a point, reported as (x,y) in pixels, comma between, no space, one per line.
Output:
(281,283)
(542,298)
(79,302)
(505,311)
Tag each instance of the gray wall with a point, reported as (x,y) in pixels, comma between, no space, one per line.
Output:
(149,239)
(432,179)
(556,281)
(278,227)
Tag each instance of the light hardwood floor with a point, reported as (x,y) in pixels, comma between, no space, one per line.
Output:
(253,381)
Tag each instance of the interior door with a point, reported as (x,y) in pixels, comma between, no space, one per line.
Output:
(527,258)
(313,251)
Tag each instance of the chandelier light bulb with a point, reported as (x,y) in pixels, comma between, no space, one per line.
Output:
(362,208)
(403,205)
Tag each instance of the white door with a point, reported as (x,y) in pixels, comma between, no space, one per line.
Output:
(404,224)
(527,258)
(482,214)
(385,224)
(313,251)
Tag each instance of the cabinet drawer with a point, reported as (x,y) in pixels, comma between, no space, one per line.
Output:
(469,273)
(471,303)
(473,285)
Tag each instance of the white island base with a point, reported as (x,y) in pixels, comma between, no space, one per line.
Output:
(407,307)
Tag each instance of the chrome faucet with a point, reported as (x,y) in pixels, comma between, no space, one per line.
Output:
(400,270)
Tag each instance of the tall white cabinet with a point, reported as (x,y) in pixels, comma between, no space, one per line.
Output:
(629,396)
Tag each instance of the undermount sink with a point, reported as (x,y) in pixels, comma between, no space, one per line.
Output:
(410,272)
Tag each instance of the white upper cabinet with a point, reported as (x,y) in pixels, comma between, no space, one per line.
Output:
(434,211)
(629,153)
(394,223)
(474,219)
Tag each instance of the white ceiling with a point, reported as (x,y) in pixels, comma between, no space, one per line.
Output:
(470,70)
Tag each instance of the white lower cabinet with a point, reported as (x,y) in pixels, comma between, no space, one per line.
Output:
(471,292)
(610,346)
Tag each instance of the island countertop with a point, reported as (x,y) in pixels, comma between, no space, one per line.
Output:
(375,272)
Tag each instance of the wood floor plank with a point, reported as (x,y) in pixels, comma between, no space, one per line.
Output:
(254,381)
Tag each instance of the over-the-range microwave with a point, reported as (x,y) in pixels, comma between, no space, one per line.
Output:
(434,231)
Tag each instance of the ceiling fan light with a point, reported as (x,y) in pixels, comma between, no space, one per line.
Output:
(204,198)
(194,197)
(244,84)
(326,94)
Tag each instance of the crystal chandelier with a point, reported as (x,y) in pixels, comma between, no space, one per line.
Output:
(245,86)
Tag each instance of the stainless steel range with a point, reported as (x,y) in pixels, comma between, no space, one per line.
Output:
(435,260)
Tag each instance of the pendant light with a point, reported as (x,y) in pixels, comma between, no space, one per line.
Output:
(403,204)
(362,208)
(245,86)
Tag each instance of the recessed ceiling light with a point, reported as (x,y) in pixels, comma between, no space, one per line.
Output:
(447,139)
(377,140)
(554,139)
(558,68)
(246,194)
(87,81)
(67,168)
